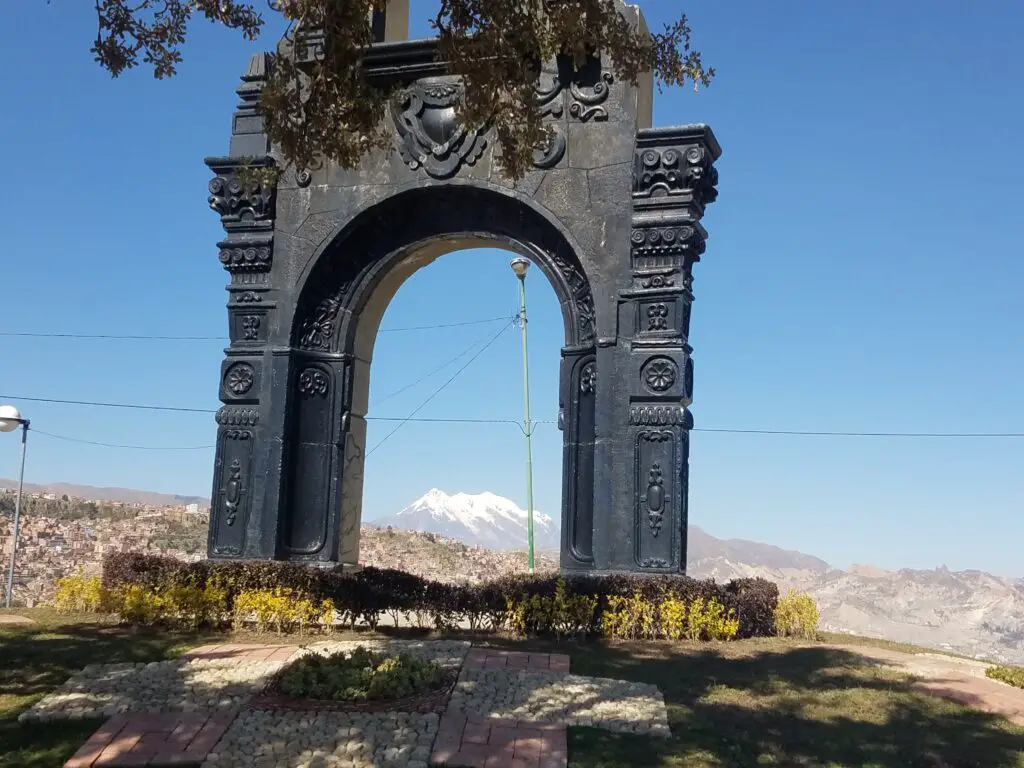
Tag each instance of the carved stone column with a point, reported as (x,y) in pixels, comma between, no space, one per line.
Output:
(244,195)
(673,180)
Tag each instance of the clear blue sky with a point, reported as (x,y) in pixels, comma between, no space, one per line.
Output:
(864,273)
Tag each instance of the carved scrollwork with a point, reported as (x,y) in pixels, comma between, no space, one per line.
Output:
(248,297)
(657,281)
(659,374)
(251,327)
(588,379)
(313,382)
(657,317)
(674,171)
(246,258)
(666,241)
(241,203)
(233,492)
(318,329)
(429,135)
(583,299)
(655,498)
(587,101)
(552,152)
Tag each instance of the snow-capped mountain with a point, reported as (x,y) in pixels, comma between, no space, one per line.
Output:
(482,519)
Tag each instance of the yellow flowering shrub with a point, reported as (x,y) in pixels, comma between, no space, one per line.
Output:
(630,618)
(79,594)
(796,615)
(281,610)
(560,614)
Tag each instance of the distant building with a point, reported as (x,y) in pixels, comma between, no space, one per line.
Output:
(192,509)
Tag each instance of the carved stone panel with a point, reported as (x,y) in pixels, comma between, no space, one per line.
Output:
(248,326)
(311,517)
(579,389)
(232,481)
(657,505)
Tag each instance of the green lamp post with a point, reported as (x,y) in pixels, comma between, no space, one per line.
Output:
(520,266)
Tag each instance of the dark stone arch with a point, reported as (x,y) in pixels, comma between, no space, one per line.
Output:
(340,303)
(610,213)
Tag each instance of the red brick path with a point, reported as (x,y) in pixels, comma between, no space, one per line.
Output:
(486,658)
(474,741)
(164,739)
(243,652)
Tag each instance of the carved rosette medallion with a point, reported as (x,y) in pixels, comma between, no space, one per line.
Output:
(429,135)
(659,374)
(318,328)
(239,378)
(313,382)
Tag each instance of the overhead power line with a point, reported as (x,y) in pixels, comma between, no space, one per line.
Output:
(120,445)
(440,389)
(439,420)
(122,337)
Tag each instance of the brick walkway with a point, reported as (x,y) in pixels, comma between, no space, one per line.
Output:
(165,739)
(485,658)
(473,741)
(243,652)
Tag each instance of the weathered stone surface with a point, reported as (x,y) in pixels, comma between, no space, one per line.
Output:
(610,215)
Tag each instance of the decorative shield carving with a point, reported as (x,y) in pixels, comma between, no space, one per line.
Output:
(429,135)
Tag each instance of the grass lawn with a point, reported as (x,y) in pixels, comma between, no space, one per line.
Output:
(750,703)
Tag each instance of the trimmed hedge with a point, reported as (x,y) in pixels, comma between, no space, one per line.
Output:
(365,596)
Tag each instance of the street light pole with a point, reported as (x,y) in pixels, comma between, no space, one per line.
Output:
(519,266)
(10,419)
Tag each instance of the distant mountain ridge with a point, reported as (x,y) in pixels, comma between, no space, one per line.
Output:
(967,612)
(483,520)
(126,495)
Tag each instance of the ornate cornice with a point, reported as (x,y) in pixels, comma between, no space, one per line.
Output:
(675,167)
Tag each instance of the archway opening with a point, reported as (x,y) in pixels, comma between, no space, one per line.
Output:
(445,441)
(339,323)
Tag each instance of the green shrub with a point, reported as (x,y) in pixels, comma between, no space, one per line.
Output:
(1011,675)
(796,615)
(283,596)
(358,675)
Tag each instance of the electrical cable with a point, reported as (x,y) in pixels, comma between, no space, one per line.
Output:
(115,337)
(404,419)
(431,373)
(440,389)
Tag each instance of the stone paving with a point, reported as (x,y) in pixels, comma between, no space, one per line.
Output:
(507,710)
(218,677)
